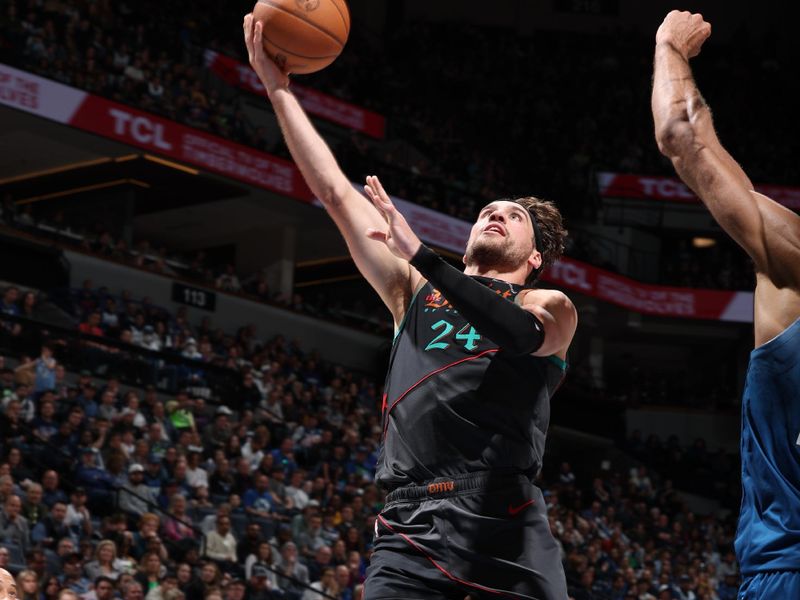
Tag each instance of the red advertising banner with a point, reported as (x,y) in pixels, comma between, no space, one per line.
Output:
(63,104)
(191,146)
(316,103)
(624,185)
(651,299)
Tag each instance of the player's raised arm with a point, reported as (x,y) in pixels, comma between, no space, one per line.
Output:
(352,213)
(685,134)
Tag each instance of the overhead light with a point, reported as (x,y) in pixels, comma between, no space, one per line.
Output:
(703,242)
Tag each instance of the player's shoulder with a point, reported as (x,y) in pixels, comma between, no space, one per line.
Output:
(545,298)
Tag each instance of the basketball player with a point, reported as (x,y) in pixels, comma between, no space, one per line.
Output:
(768,537)
(476,357)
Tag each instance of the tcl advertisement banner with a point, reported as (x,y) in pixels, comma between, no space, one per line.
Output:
(651,299)
(316,103)
(623,185)
(67,105)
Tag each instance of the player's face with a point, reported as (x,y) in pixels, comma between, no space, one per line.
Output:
(501,238)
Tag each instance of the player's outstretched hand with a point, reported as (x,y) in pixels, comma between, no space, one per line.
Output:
(685,31)
(398,236)
(266,69)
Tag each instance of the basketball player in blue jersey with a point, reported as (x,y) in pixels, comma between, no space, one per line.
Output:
(768,536)
(476,357)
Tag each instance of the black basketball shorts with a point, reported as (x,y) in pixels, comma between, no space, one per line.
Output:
(483,535)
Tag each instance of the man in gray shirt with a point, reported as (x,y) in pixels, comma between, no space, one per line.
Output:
(13,526)
(136,497)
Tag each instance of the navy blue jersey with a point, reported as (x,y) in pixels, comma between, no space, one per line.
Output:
(455,403)
(768,537)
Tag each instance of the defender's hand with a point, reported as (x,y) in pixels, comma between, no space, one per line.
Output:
(685,31)
(398,237)
(266,69)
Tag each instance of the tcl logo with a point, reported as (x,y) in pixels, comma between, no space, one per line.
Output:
(141,129)
(570,275)
(665,188)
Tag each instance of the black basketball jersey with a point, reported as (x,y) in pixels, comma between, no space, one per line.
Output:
(455,403)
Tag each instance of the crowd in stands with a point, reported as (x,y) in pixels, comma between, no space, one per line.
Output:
(444,155)
(92,237)
(111,491)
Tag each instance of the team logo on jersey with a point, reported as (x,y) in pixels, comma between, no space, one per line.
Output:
(435,300)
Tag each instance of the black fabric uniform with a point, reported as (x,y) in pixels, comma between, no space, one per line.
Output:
(464,434)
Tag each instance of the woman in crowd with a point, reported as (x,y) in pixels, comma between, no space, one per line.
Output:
(104,563)
(27,586)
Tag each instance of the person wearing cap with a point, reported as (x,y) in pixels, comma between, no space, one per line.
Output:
(262,584)
(99,483)
(72,577)
(136,497)
(154,473)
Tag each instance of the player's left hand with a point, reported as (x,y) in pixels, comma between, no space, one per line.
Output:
(398,237)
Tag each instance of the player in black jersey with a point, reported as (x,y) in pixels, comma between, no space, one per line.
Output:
(476,357)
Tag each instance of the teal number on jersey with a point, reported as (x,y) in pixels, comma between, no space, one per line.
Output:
(471,337)
(435,343)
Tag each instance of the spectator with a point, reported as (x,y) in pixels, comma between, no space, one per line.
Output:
(33,509)
(262,556)
(105,563)
(52,528)
(311,539)
(258,501)
(78,518)
(322,560)
(150,571)
(103,588)
(72,577)
(260,587)
(98,483)
(326,585)
(51,489)
(27,585)
(176,526)
(221,545)
(136,497)
(292,574)
(14,527)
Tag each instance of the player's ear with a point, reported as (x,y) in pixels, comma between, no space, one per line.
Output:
(464,259)
(535,260)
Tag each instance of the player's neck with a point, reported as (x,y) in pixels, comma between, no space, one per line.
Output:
(517,276)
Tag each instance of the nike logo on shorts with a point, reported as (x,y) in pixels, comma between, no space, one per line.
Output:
(515,510)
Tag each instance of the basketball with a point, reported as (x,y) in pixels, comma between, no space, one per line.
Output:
(303,36)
